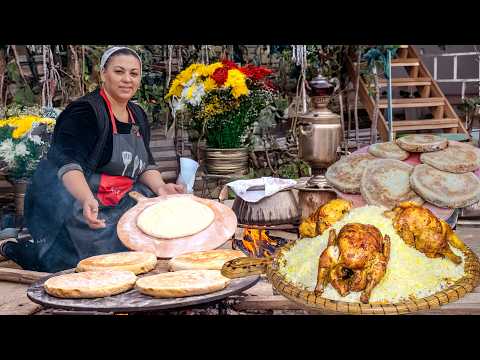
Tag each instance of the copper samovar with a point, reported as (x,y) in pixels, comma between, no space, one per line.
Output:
(320,132)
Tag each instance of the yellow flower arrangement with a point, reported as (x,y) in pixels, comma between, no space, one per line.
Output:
(23,124)
(224,99)
(21,148)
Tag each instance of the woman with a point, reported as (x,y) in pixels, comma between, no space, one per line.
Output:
(98,154)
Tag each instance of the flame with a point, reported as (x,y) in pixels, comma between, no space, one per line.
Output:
(259,243)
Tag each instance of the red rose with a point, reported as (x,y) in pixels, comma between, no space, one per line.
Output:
(220,75)
(255,72)
(229,64)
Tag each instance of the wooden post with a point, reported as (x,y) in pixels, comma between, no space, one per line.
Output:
(3,65)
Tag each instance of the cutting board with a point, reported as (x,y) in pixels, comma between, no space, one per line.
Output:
(214,236)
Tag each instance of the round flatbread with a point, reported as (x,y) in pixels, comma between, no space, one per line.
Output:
(346,173)
(386,182)
(138,262)
(445,189)
(456,158)
(388,150)
(182,283)
(90,284)
(208,260)
(175,217)
(422,143)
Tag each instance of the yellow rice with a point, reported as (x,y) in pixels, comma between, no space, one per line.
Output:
(409,272)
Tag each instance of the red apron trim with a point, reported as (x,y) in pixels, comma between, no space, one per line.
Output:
(110,111)
(113,188)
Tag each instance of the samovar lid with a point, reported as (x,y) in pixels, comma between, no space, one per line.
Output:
(320,82)
(320,116)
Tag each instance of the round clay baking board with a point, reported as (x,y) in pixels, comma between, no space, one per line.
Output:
(214,236)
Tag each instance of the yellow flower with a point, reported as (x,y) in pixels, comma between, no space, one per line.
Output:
(209,84)
(210,69)
(236,80)
(23,124)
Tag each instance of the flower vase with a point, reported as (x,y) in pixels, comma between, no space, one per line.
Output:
(226,161)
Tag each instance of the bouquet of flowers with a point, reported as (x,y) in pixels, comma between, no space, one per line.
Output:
(223,99)
(24,140)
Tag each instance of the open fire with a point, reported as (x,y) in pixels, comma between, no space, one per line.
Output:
(259,242)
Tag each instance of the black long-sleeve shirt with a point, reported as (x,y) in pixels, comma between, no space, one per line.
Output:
(77,134)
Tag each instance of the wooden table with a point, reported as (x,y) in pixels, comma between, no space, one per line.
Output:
(260,299)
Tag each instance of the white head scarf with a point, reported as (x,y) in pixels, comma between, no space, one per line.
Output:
(110,51)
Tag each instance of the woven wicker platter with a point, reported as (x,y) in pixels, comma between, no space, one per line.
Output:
(310,301)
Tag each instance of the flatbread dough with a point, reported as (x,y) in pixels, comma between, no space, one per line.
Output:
(445,189)
(345,174)
(138,262)
(388,150)
(422,143)
(386,182)
(182,283)
(209,260)
(90,284)
(175,217)
(456,158)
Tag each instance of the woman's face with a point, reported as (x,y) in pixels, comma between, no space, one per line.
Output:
(121,77)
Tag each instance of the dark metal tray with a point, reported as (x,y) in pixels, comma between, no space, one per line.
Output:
(132,300)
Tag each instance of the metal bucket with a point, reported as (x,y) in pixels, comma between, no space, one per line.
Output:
(226,161)
(280,208)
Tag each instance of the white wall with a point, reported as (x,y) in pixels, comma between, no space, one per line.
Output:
(468,67)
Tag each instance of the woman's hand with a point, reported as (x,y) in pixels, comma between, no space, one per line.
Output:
(168,189)
(90,213)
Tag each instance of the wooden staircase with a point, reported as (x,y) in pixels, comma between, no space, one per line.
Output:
(443,117)
(165,155)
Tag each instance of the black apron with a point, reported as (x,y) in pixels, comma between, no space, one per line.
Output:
(110,185)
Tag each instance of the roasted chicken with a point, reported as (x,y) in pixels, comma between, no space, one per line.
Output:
(324,217)
(355,260)
(420,228)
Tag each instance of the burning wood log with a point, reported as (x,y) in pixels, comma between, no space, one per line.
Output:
(259,242)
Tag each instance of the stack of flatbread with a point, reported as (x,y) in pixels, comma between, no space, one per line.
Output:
(445,178)
(191,274)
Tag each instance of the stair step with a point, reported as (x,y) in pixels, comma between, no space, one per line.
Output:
(405,62)
(412,102)
(422,81)
(423,124)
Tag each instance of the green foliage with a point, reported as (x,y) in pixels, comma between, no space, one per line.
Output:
(228,130)
(23,93)
(470,104)
(294,170)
